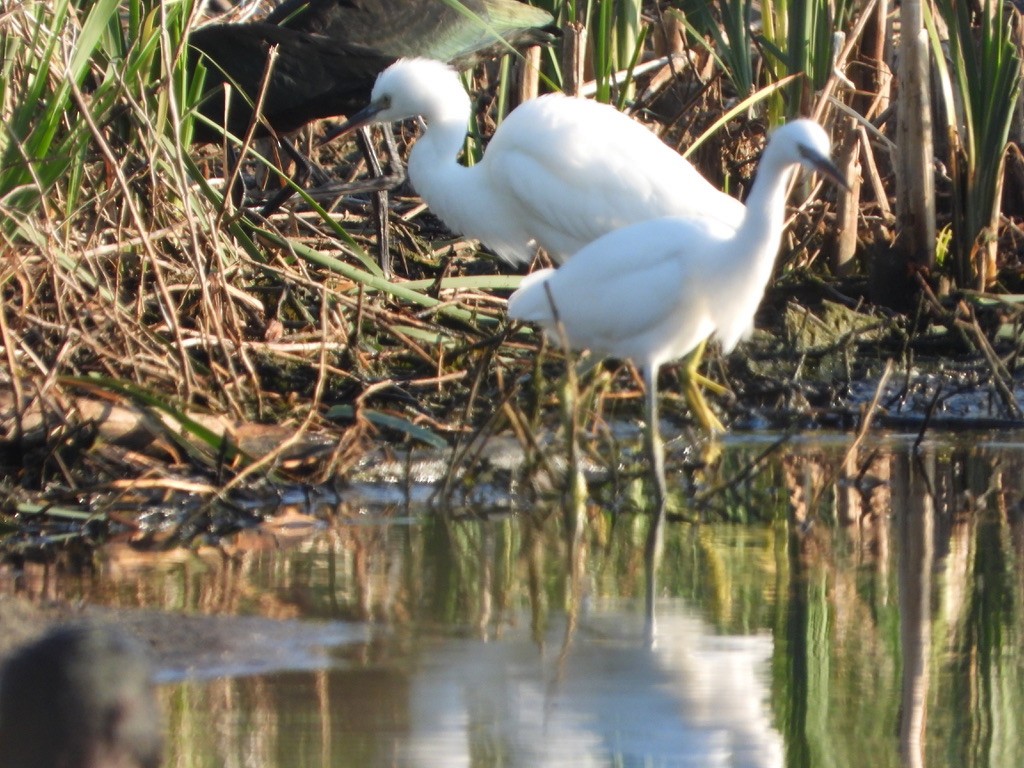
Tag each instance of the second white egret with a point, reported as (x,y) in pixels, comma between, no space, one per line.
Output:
(654,291)
(559,171)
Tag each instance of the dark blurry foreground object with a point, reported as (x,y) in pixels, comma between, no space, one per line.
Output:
(80,697)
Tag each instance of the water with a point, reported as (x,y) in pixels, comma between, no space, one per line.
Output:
(868,611)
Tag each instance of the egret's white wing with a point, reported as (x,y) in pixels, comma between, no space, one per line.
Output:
(629,291)
(575,170)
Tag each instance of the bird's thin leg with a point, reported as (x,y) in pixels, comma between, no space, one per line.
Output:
(699,406)
(396,167)
(577,483)
(655,449)
(656,533)
(380,201)
(304,169)
(694,397)
(311,171)
(326,189)
(692,363)
(705,383)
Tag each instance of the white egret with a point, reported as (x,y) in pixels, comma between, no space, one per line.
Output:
(654,291)
(559,172)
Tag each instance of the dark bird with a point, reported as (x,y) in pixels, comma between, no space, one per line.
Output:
(435,29)
(329,53)
(81,697)
(313,77)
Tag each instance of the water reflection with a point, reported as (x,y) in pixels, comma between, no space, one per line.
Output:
(600,697)
(698,699)
(869,610)
(913,496)
(921,665)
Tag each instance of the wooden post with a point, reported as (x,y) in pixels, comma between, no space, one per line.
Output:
(528,80)
(574,46)
(915,182)
(848,203)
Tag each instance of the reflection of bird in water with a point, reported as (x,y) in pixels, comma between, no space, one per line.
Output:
(655,291)
(559,172)
(697,698)
(80,697)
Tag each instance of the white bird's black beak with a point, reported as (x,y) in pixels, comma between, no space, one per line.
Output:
(364,116)
(824,166)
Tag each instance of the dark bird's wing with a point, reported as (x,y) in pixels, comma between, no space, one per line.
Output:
(434,29)
(313,76)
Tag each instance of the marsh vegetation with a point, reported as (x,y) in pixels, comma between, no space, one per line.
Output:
(163,345)
(240,439)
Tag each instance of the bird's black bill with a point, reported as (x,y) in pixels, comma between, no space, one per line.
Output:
(363,117)
(825,167)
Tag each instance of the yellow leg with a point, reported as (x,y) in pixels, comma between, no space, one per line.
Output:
(701,380)
(693,380)
(700,408)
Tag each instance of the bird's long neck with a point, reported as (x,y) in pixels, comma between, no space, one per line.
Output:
(765,217)
(437,149)
(447,187)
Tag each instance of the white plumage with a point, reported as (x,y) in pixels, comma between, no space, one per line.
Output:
(653,291)
(559,172)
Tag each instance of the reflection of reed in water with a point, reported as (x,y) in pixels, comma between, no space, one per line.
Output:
(853,491)
(915,512)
